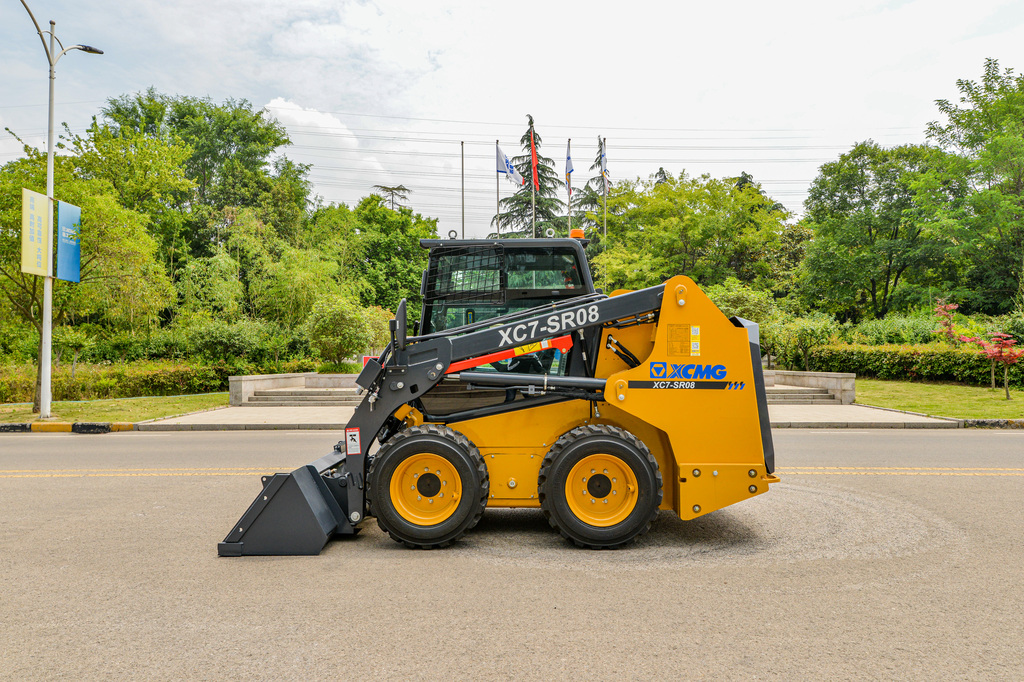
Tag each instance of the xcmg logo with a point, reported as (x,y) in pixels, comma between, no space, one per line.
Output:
(665,370)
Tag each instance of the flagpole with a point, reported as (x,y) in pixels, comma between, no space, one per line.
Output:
(533,184)
(462,150)
(497,198)
(604,146)
(568,185)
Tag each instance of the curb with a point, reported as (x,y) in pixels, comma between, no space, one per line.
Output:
(960,423)
(994,423)
(865,425)
(67,427)
(238,427)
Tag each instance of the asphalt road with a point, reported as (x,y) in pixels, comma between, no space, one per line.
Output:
(881,555)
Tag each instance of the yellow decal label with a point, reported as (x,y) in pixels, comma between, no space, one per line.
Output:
(679,340)
(529,348)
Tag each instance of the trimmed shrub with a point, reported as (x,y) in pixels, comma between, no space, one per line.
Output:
(895,329)
(146,378)
(910,363)
(338,329)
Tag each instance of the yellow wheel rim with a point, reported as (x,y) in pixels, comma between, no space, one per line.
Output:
(601,490)
(425,489)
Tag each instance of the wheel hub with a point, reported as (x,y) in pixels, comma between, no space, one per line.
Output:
(601,490)
(426,489)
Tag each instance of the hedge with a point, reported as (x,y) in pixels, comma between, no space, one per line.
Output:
(154,378)
(912,363)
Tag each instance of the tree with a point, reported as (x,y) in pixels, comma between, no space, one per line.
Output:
(386,255)
(293,284)
(398,192)
(147,176)
(230,162)
(985,140)
(338,328)
(121,284)
(1001,349)
(516,216)
(692,226)
(870,238)
(210,285)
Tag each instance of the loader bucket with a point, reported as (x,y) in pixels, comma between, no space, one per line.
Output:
(296,514)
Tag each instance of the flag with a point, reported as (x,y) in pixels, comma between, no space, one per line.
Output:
(505,166)
(604,166)
(568,168)
(533,153)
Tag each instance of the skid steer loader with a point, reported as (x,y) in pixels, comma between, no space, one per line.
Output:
(526,387)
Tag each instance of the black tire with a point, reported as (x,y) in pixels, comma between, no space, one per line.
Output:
(572,518)
(398,512)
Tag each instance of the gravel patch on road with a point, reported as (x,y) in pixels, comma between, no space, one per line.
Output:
(794,522)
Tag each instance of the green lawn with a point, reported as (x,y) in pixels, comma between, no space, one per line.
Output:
(116,409)
(942,399)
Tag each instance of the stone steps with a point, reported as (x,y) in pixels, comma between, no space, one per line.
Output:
(304,397)
(799,395)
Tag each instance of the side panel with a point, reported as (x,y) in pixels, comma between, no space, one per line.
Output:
(698,386)
(514,445)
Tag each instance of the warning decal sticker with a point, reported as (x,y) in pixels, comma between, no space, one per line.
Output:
(352,443)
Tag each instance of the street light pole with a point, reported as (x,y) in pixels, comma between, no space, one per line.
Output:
(45,342)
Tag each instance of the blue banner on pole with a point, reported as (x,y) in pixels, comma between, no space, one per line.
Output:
(69,247)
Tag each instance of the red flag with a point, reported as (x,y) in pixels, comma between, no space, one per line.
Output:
(533,152)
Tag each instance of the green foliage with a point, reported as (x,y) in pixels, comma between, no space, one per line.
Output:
(869,243)
(121,282)
(702,227)
(985,141)
(377,321)
(894,329)
(210,285)
(734,298)
(386,256)
(228,163)
(936,362)
(117,381)
(516,212)
(338,329)
(798,337)
(290,286)
(340,368)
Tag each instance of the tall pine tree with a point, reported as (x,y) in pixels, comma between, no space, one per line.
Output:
(516,217)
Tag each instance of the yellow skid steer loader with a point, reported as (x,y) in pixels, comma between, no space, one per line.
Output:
(526,387)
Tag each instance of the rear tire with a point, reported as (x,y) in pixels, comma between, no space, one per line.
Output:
(427,486)
(600,487)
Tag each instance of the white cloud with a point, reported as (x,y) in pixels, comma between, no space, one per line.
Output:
(822,75)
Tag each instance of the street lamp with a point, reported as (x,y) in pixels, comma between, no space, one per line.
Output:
(52,58)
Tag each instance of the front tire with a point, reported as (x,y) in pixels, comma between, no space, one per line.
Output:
(600,487)
(427,486)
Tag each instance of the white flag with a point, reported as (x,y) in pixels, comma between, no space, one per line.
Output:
(505,166)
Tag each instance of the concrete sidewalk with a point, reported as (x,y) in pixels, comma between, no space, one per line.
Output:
(335,418)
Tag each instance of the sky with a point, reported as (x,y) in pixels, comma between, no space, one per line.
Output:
(396,92)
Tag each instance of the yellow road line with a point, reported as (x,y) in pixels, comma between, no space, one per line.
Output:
(913,468)
(74,471)
(875,472)
(125,475)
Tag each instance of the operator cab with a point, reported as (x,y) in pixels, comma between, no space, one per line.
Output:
(470,281)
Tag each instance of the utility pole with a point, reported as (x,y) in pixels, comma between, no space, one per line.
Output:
(462,149)
(46,338)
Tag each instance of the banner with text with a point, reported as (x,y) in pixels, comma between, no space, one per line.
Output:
(69,247)
(35,230)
